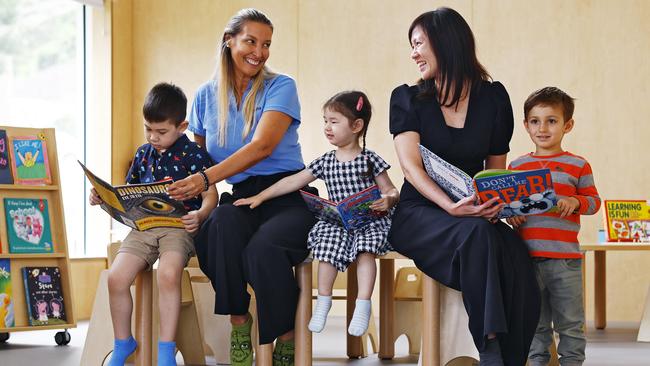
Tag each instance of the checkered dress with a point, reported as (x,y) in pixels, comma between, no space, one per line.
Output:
(332,243)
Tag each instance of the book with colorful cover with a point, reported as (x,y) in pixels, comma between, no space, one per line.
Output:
(6,303)
(139,206)
(29,160)
(28,225)
(44,296)
(524,192)
(352,213)
(627,220)
(6,176)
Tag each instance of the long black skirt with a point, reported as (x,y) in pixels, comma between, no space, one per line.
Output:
(488,263)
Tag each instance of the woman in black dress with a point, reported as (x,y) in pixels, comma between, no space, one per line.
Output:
(467,120)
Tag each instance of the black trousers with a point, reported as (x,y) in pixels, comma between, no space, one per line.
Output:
(487,262)
(237,245)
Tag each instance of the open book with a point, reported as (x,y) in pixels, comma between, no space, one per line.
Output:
(352,213)
(139,206)
(525,192)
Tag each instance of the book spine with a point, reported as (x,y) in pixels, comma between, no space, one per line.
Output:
(28,302)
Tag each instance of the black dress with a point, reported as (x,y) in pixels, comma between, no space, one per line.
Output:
(487,262)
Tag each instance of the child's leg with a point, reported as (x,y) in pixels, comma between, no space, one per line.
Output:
(326,276)
(120,277)
(568,313)
(366,273)
(538,354)
(170,270)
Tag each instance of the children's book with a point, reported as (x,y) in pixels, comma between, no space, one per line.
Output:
(28,225)
(627,220)
(524,192)
(139,206)
(29,160)
(6,303)
(5,168)
(43,295)
(352,213)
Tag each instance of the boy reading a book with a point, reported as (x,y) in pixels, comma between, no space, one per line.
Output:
(168,154)
(552,237)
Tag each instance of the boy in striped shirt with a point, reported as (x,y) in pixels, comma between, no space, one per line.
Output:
(552,237)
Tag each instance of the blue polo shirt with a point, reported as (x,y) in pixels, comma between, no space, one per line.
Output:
(278,94)
(182,159)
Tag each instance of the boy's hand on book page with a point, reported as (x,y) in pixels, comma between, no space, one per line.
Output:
(516,221)
(187,188)
(250,201)
(191,221)
(94,198)
(468,207)
(567,206)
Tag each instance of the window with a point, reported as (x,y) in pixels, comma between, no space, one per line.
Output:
(43,84)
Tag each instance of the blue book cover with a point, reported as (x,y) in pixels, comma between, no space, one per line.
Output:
(5,167)
(6,299)
(352,213)
(524,192)
(43,295)
(28,225)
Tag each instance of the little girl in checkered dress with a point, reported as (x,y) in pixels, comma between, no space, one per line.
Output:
(347,170)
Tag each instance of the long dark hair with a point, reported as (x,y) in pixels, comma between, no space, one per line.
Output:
(452,42)
(354,105)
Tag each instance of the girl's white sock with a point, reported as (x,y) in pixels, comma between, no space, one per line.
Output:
(360,319)
(318,318)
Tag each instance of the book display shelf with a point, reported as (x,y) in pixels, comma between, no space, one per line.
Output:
(33,236)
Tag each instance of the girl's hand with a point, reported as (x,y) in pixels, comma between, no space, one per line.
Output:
(191,221)
(568,205)
(516,221)
(187,188)
(466,208)
(384,203)
(94,198)
(249,201)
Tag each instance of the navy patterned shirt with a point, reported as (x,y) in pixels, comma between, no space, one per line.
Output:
(182,159)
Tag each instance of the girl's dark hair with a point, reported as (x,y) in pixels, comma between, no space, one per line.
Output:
(453,46)
(354,105)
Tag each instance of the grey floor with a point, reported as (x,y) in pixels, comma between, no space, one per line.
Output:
(612,347)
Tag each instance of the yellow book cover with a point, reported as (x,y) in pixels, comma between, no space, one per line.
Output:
(627,220)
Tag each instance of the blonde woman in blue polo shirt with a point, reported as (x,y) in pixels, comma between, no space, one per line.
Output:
(247,118)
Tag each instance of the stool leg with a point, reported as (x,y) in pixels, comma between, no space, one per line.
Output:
(386,308)
(431,322)
(355,350)
(143,303)
(303,315)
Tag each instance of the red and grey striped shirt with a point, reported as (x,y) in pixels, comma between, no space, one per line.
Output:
(547,235)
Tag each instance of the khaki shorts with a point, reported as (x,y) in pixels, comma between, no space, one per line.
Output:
(149,244)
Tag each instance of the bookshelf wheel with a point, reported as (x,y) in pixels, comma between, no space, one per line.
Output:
(62,338)
(4,337)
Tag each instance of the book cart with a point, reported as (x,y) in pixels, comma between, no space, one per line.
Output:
(59,256)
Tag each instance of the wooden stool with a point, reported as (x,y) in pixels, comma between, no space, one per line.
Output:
(408,307)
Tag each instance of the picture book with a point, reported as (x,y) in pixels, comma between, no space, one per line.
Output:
(5,168)
(139,206)
(43,295)
(524,192)
(352,213)
(6,303)
(28,225)
(29,160)
(627,220)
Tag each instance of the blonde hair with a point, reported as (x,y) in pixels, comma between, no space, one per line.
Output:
(225,73)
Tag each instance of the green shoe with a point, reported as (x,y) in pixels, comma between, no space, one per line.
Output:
(241,349)
(284,353)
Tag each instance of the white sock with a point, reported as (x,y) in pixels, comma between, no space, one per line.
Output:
(318,318)
(360,319)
